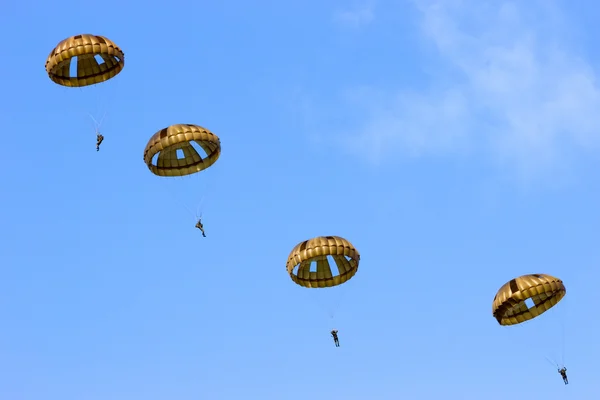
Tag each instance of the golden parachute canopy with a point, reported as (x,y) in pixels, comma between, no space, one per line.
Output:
(509,306)
(167,141)
(343,253)
(85,47)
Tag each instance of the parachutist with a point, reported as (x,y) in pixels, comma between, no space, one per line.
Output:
(334,333)
(99,139)
(563,372)
(201,227)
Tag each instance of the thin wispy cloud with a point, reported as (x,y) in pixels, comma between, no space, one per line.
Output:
(357,16)
(519,90)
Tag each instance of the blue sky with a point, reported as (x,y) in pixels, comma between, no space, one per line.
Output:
(454,143)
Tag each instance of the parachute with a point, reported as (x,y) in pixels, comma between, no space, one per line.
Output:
(168,141)
(509,306)
(83,61)
(176,152)
(84,48)
(343,253)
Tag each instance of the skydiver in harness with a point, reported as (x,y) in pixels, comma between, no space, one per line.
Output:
(563,372)
(200,226)
(334,333)
(99,139)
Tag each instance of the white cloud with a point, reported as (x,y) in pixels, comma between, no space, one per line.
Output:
(359,15)
(522,93)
